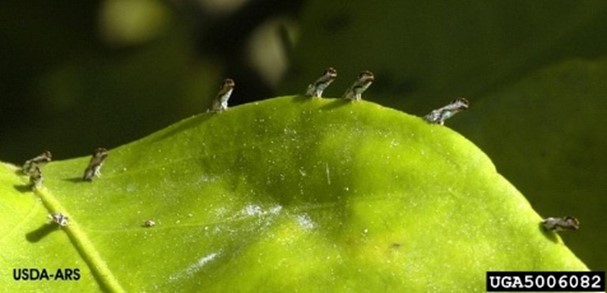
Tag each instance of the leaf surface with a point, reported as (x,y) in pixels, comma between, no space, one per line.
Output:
(285,194)
(533,71)
(546,134)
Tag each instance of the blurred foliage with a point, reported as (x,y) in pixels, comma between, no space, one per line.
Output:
(67,91)
(76,76)
(424,53)
(65,86)
(130,22)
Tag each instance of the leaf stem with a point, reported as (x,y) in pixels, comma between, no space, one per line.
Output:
(101,272)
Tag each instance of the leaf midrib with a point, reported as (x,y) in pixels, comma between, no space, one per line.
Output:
(82,244)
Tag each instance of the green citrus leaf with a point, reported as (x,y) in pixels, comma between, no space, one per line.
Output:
(286,194)
(546,134)
(28,241)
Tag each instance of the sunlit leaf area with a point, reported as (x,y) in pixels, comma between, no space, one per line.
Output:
(286,192)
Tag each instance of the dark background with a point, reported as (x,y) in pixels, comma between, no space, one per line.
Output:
(79,75)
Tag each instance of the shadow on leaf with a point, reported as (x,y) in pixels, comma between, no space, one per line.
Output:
(189,123)
(303,98)
(335,104)
(75,180)
(23,188)
(41,232)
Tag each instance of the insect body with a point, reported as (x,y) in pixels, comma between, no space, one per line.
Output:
(439,115)
(561,224)
(94,167)
(363,82)
(316,89)
(59,218)
(30,165)
(221,100)
(149,223)
(36,178)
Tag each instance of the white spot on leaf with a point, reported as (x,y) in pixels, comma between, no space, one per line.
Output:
(131,188)
(195,267)
(328,172)
(305,222)
(275,209)
(252,210)
(256,210)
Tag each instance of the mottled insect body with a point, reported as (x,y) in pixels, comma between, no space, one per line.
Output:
(439,115)
(30,165)
(221,100)
(316,89)
(149,223)
(365,79)
(36,178)
(59,218)
(94,167)
(561,224)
